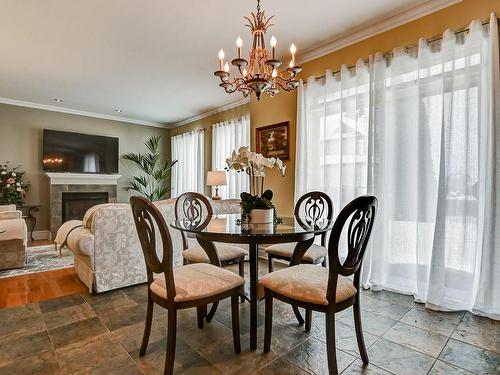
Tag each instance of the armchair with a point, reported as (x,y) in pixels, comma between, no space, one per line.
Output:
(13,238)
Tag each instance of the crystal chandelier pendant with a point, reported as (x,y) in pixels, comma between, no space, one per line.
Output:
(260,73)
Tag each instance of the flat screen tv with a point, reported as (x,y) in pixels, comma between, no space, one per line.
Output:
(79,153)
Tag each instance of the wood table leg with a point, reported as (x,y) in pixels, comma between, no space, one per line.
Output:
(254,279)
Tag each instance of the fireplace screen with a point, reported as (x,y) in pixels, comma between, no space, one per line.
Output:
(75,204)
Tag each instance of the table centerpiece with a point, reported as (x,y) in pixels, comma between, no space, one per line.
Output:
(256,205)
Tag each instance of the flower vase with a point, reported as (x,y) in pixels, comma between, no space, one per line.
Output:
(256,185)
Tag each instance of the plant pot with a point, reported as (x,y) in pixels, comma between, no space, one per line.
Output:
(261,215)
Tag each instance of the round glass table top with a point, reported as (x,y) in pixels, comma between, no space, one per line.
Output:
(229,224)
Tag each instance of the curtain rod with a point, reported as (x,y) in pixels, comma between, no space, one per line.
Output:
(237,118)
(432,39)
(199,130)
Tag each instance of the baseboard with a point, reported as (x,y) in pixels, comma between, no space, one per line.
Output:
(41,234)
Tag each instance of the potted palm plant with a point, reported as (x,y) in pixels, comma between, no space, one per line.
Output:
(152,183)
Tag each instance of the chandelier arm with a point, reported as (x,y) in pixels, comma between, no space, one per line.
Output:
(231,89)
(286,80)
(291,75)
(285,84)
(235,80)
(286,88)
(282,80)
(237,83)
(278,83)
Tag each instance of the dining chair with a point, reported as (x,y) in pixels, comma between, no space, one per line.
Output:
(327,290)
(195,207)
(193,285)
(310,207)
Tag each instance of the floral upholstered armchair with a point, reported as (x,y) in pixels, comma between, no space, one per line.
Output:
(107,251)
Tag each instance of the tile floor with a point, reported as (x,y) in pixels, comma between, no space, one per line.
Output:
(101,334)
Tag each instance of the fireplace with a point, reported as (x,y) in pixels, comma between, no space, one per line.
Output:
(89,189)
(75,204)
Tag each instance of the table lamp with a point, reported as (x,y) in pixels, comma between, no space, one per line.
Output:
(216,178)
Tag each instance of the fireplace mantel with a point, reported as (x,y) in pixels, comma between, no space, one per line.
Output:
(82,178)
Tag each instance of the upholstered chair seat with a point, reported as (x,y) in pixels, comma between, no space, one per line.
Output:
(196,254)
(307,283)
(312,255)
(196,281)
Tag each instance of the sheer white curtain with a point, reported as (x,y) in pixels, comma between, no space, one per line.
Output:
(332,135)
(189,172)
(430,160)
(226,137)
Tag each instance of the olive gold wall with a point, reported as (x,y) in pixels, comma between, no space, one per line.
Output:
(21,143)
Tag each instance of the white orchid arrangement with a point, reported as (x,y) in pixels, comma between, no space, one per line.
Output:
(253,163)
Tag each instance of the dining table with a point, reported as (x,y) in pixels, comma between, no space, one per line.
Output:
(229,228)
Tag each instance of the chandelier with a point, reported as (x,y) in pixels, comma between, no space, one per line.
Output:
(260,74)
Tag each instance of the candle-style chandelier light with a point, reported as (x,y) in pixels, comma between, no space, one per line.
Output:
(261,73)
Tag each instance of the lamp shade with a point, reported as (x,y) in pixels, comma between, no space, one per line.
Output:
(216,178)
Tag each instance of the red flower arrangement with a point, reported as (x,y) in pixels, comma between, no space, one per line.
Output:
(12,188)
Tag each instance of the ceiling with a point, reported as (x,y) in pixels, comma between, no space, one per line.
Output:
(152,59)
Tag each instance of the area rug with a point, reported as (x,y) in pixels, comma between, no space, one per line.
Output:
(40,259)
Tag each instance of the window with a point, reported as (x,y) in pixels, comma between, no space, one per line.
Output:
(226,137)
(416,131)
(189,172)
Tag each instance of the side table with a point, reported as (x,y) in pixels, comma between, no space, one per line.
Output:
(28,215)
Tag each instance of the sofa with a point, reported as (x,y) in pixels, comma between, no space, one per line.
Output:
(13,238)
(106,247)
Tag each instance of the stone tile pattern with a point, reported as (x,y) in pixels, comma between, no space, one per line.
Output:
(101,334)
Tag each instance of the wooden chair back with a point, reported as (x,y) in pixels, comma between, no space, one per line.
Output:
(148,221)
(194,207)
(313,206)
(358,216)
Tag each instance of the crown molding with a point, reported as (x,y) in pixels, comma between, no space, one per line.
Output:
(200,116)
(70,111)
(377,27)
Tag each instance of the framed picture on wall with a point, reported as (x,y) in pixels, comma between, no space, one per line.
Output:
(272,140)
